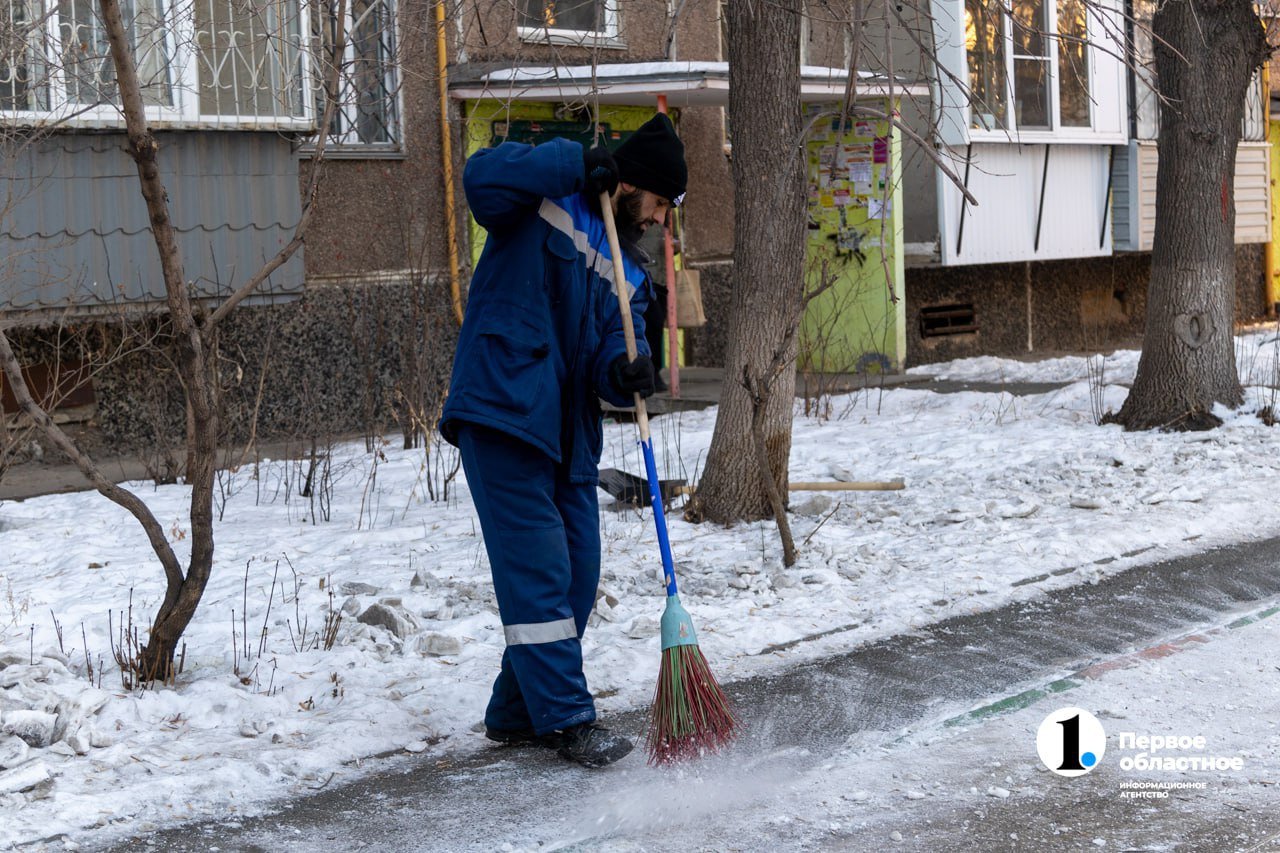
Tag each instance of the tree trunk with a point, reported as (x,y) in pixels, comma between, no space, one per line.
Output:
(768,256)
(194,359)
(1206,52)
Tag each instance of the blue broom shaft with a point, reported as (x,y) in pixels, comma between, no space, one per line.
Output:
(659,518)
(642,413)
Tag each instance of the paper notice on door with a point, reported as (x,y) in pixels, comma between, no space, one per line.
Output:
(860,171)
(879,208)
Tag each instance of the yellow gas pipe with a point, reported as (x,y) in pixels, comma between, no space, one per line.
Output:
(1269,248)
(446,154)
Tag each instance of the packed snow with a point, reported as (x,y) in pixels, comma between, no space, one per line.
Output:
(1006,496)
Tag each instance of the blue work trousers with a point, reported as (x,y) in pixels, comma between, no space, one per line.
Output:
(542,534)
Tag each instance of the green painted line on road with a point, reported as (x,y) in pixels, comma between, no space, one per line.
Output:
(1254,617)
(1017,702)
(1027,698)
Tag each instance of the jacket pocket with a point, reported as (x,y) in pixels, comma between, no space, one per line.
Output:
(561,245)
(511,359)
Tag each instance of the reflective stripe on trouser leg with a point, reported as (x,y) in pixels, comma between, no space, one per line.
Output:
(513,486)
(533,633)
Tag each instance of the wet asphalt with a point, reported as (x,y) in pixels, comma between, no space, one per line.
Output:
(529,799)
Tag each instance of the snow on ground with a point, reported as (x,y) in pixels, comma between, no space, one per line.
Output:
(1006,496)
(988,773)
(981,777)
(1120,366)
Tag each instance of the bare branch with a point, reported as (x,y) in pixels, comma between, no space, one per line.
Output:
(925,145)
(120,496)
(673,23)
(760,392)
(331,93)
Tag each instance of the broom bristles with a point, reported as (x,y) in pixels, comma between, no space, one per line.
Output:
(690,716)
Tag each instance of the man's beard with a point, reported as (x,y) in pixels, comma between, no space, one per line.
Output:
(628,218)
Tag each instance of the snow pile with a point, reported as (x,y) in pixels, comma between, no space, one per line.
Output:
(1119,367)
(1006,496)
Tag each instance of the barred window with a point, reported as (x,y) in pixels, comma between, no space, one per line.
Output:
(24,84)
(367,115)
(249,58)
(238,63)
(86,61)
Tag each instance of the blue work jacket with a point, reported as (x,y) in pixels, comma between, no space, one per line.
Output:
(542,323)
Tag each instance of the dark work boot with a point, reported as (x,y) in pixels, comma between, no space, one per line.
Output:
(523,737)
(592,745)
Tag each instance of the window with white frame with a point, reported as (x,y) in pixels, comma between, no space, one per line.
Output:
(1028,64)
(568,21)
(806,37)
(367,116)
(23,57)
(234,63)
(85,61)
(249,58)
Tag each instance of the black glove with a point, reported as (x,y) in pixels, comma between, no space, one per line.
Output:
(600,169)
(632,377)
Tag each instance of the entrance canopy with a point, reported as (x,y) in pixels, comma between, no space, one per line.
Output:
(685,84)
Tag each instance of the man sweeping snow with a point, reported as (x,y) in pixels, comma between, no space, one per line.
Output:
(542,340)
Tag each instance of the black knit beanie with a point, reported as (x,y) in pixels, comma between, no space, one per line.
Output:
(652,159)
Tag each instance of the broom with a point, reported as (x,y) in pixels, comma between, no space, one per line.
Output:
(690,715)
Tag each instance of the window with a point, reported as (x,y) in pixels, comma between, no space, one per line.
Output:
(1073,63)
(86,63)
(368,112)
(249,58)
(1028,64)
(984,43)
(23,60)
(724,29)
(234,63)
(568,21)
(806,38)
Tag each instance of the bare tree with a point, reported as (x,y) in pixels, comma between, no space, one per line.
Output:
(1206,52)
(193,328)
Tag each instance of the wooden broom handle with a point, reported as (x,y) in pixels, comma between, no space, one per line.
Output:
(624,304)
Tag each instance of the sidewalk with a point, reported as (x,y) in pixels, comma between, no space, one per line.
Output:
(838,714)
(699,389)
(32,479)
